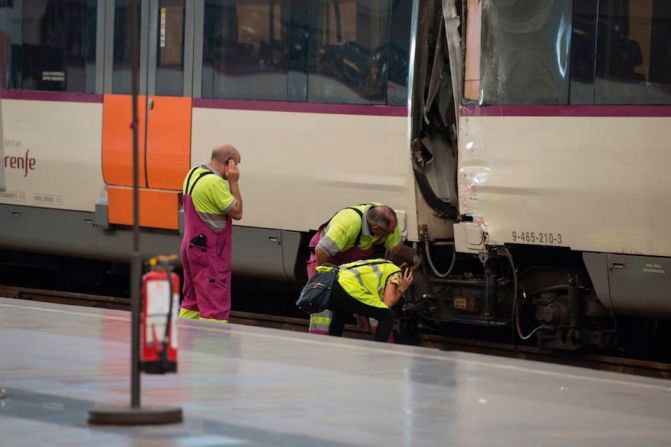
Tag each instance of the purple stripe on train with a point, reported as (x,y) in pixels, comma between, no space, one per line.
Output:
(37,95)
(642,111)
(301,107)
(233,104)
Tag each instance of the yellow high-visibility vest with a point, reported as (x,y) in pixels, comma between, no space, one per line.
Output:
(212,199)
(366,280)
(344,230)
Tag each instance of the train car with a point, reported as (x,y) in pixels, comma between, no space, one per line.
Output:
(560,126)
(522,143)
(313,93)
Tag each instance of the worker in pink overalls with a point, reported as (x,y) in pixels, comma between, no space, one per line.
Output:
(211,199)
(350,235)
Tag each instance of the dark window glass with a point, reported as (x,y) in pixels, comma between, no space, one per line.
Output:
(633,61)
(399,52)
(583,49)
(307,50)
(170,43)
(660,45)
(49,45)
(349,51)
(121,64)
(525,51)
(245,49)
(299,42)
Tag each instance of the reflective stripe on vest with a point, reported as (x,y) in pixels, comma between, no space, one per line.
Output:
(189,314)
(320,322)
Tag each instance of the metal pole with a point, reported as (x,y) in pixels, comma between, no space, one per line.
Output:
(136,263)
(136,415)
(2,142)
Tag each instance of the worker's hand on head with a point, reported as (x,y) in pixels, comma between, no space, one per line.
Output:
(406,281)
(231,171)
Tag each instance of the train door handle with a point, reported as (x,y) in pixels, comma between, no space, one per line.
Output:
(616,266)
(150,103)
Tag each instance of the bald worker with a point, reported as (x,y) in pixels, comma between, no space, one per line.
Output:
(211,200)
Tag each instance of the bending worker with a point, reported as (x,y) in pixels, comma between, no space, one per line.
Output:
(211,198)
(350,235)
(370,288)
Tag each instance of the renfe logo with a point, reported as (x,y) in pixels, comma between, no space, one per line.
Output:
(25,163)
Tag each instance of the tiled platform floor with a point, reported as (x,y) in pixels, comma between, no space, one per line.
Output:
(261,387)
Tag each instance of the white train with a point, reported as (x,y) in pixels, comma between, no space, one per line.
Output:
(524,144)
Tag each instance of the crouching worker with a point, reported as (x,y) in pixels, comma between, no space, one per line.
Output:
(370,288)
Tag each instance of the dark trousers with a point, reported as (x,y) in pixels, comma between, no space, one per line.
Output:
(344,305)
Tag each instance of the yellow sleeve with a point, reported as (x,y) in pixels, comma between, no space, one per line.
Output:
(393,239)
(342,231)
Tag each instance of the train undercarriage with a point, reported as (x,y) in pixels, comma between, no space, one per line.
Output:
(543,297)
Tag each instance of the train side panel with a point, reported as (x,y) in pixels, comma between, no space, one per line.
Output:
(589,183)
(299,168)
(52,154)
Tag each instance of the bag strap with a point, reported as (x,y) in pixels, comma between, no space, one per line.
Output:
(366,263)
(188,179)
(195,182)
(331,266)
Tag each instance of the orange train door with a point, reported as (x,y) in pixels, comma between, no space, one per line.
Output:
(164,107)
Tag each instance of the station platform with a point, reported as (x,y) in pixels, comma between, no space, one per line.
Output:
(251,386)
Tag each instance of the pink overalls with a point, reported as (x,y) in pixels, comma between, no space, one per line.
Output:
(207,266)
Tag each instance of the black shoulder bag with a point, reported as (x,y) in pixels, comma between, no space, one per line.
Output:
(316,294)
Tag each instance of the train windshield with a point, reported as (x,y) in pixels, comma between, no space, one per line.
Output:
(575,52)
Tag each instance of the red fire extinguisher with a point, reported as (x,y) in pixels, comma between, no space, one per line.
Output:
(158,322)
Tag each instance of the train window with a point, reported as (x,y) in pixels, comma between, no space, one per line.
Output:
(322,51)
(525,51)
(399,52)
(299,42)
(633,59)
(583,49)
(121,63)
(245,49)
(170,54)
(349,48)
(49,45)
